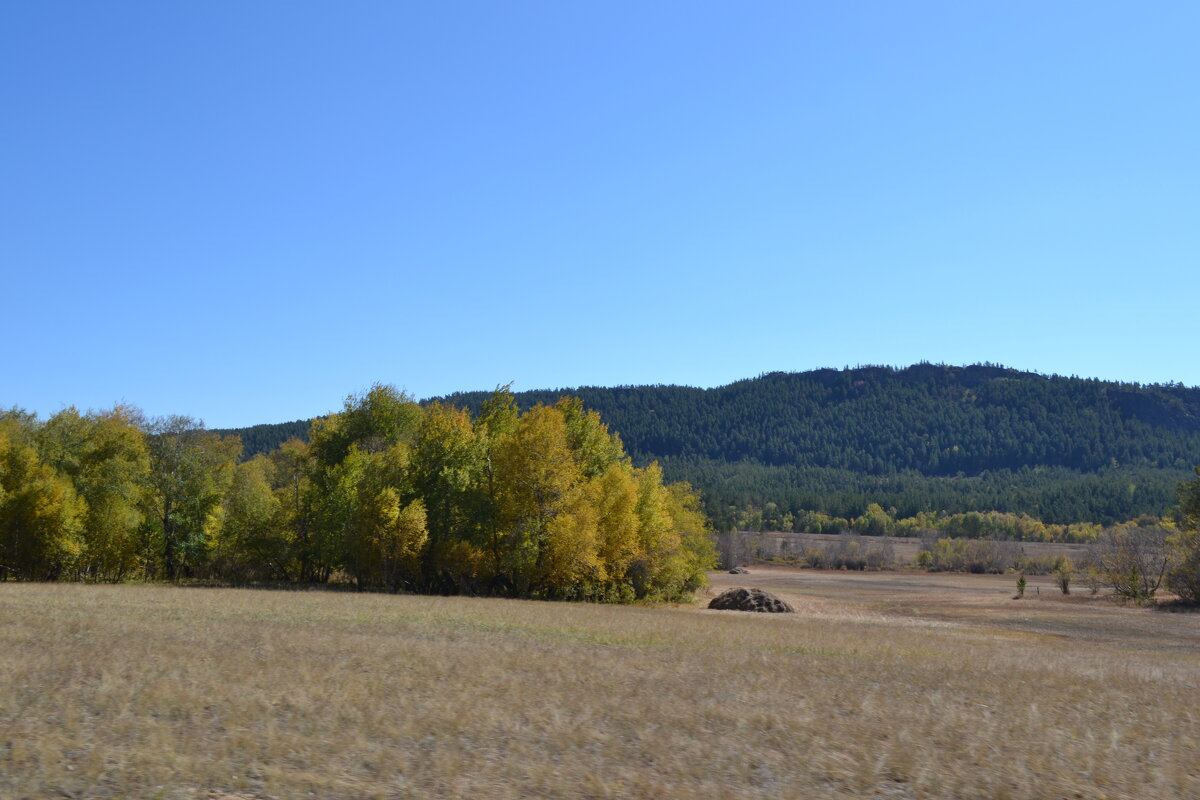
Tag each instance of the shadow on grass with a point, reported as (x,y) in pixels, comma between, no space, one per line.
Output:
(1177,606)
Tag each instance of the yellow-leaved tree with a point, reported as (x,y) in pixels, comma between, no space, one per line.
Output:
(252,543)
(104,455)
(615,494)
(41,516)
(536,475)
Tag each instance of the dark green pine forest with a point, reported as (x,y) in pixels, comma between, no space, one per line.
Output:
(927,438)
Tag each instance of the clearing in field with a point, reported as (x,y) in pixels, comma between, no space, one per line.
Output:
(898,685)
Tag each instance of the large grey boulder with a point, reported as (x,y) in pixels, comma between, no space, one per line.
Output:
(742,599)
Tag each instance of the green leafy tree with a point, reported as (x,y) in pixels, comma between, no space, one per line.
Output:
(384,534)
(253,543)
(378,418)
(874,522)
(447,468)
(292,483)
(190,471)
(595,448)
(1184,575)
(358,455)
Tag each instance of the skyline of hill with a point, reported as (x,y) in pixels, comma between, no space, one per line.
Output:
(924,437)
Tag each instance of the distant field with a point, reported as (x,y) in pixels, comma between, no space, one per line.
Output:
(780,544)
(892,685)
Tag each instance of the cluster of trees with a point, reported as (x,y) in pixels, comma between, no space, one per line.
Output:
(849,551)
(926,438)
(74,494)
(1184,572)
(1055,495)
(544,503)
(877,521)
(1137,560)
(979,556)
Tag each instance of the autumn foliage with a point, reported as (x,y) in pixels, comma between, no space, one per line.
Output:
(386,494)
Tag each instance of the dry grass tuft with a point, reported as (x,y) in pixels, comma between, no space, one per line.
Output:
(150,691)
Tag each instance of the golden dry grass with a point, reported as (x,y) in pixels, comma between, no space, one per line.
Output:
(151,691)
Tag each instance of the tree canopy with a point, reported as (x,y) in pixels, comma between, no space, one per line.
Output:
(385,494)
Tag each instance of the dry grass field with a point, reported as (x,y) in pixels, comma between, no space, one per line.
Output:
(776,544)
(890,685)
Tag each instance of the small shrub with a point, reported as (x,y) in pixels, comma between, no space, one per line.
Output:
(1184,575)
(1062,574)
(1134,561)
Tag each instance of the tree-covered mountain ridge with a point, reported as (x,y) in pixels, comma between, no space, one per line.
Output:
(924,437)
(935,419)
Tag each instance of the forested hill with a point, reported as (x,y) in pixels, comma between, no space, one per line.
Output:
(936,420)
(265,438)
(928,437)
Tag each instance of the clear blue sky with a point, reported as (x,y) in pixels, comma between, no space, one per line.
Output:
(245,211)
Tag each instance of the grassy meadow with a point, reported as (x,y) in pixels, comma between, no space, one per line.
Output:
(892,685)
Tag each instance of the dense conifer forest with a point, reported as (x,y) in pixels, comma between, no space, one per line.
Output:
(927,438)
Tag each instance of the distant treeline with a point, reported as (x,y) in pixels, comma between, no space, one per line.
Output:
(757,497)
(385,494)
(926,438)
(1136,559)
(877,521)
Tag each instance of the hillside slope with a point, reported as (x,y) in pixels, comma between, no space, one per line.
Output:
(928,437)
